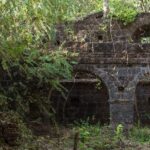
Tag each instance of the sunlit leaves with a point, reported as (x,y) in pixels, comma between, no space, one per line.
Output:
(123,10)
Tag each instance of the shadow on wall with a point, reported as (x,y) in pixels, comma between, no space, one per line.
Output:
(142,109)
(142,34)
(87,100)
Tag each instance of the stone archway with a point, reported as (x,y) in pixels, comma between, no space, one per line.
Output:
(142,107)
(87,99)
(108,79)
(140,28)
(140,86)
(141,33)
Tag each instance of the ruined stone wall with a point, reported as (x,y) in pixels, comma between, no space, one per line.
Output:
(142,109)
(9,131)
(86,100)
(115,54)
(92,29)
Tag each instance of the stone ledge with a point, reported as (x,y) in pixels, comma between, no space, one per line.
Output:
(121,101)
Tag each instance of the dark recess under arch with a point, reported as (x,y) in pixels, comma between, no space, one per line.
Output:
(141,32)
(86,101)
(142,112)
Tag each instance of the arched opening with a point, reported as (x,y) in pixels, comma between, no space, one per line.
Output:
(87,100)
(142,34)
(142,107)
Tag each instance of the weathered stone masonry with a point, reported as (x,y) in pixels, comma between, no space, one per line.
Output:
(84,101)
(117,57)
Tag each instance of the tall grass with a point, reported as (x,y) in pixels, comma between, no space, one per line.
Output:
(140,134)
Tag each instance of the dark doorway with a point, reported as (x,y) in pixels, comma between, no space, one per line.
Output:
(87,100)
(142,34)
(142,107)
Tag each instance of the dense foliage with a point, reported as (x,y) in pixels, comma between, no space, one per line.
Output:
(26,34)
(29,60)
(24,25)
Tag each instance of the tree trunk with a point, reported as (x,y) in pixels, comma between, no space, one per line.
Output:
(105,8)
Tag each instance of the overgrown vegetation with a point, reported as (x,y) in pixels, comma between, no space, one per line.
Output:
(26,31)
(93,137)
(28,58)
(123,10)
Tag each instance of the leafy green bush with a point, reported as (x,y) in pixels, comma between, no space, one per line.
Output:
(119,132)
(25,77)
(26,29)
(87,130)
(123,10)
(24,24)
(140,134)
(95,137)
